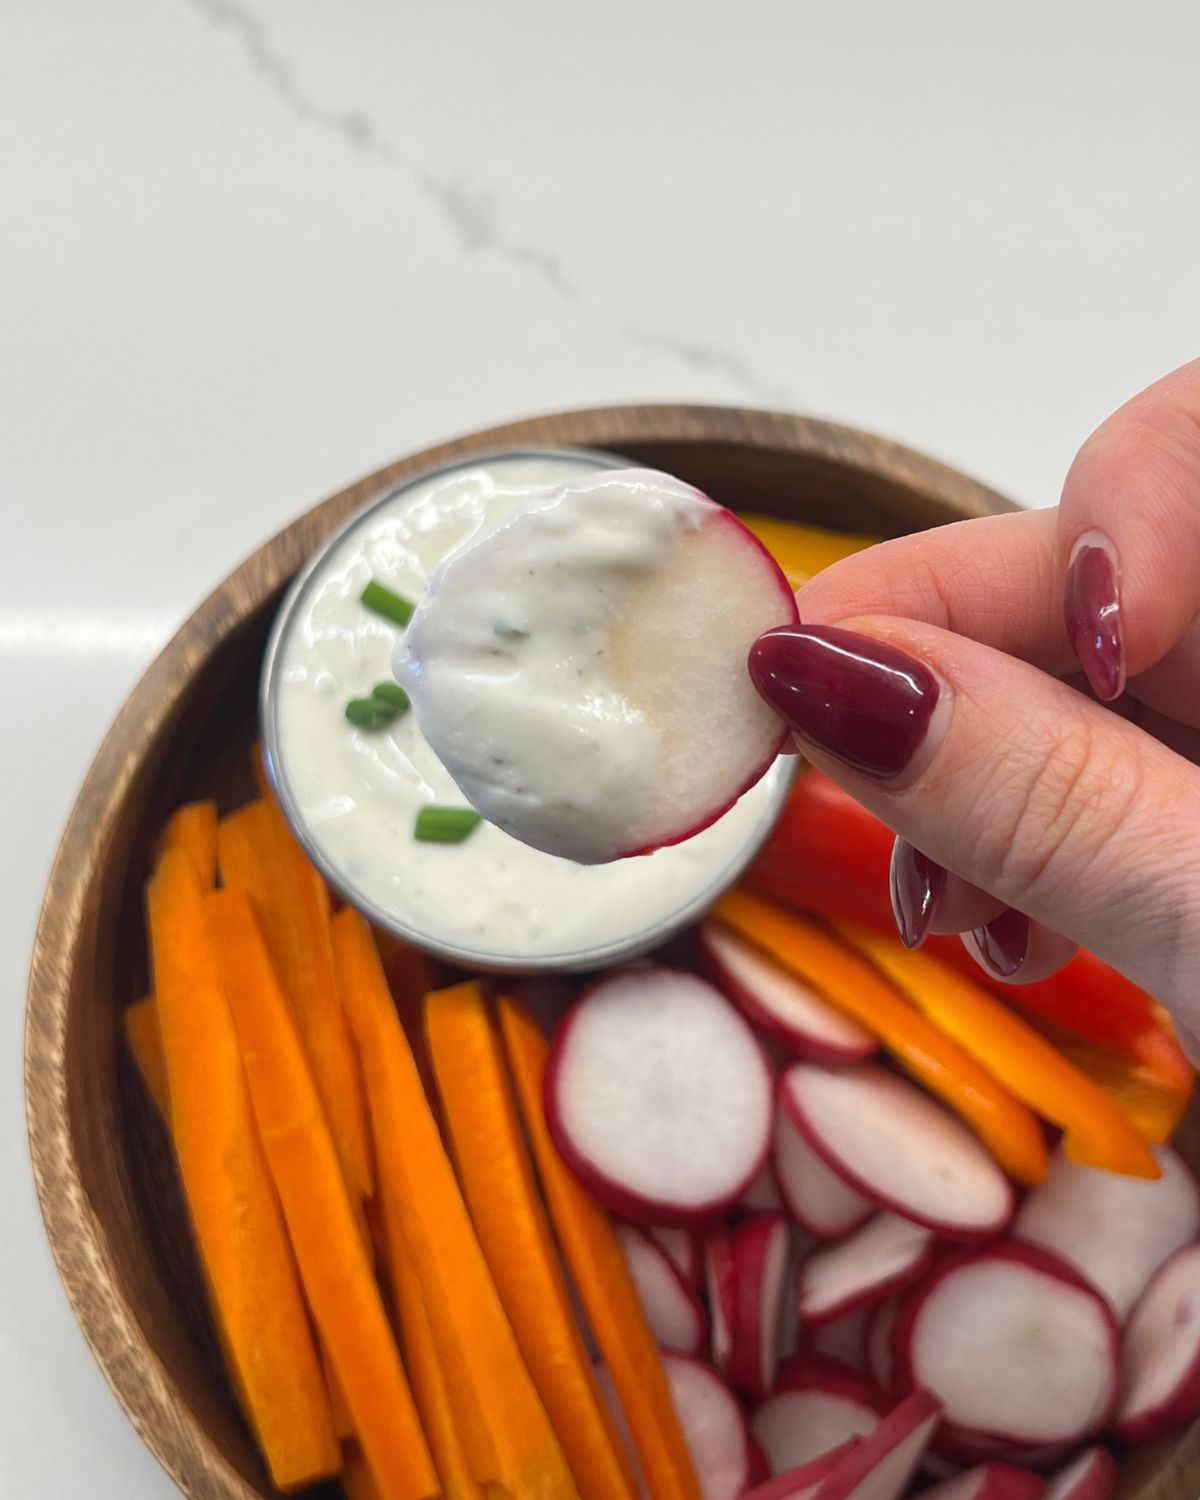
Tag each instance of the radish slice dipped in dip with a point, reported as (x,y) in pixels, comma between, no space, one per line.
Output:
(580,667)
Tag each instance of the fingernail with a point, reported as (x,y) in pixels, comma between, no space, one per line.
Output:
(1092,612)
(861,701)
(917,883)
(1003,945)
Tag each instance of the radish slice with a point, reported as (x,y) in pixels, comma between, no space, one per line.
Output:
(989,1481)
(789,1333)
(565,668)
(817,1198)
(804,1482)
(760,1464)
(882,1464)
(658,1096)
(672,1310)
(883,1257)
(877,1341)
(763,1195)
(684,1248)
(817,1406)
(782,1005)
(899,1147)
(843,1339)
(713,1427)
(721,1284)
(1015,1344)
(760,1257)
(965,1449)
(1092,1476)
(1160,1352)
(1117,1231)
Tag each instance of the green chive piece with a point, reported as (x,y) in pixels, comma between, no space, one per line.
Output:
(445,825)
(378,597)
(369,713)
(392,695)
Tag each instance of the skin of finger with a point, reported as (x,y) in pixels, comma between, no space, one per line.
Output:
(1137,480)
(1053,805)
(1048,952)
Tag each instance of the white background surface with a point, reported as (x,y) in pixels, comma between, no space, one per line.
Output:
(250,250)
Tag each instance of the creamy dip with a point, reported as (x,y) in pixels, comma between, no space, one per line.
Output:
(356,793)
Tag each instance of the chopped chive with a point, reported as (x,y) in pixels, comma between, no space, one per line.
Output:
(445,825)
(392,695)
(369,713)
(378,597)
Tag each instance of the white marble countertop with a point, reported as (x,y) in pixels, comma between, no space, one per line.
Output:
(251,250)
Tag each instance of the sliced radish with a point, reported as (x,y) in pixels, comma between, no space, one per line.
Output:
(789,1339)
(658,1096)
(672,1309)
(1116,1230)
(763,1195)
(713,1427)
(989,1481)
(1016,1346)
(843,1339)
(782,1005)
(760,1250)
(721,1285)
(817,1198)
(817,1405)
(877,1341)
(964,1449)
(899,1147)
(804,1482)
(760,1464)
(882,1464)
(1160,1352)
(1091,1476)
(685,1248)
(884,1256)
(565,669)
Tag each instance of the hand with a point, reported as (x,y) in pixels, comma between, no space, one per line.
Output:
(937,678)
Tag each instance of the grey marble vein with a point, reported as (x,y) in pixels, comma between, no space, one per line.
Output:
(713,359)
(471,215)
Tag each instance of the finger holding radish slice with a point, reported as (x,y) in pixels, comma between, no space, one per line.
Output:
(899,1147)
(1018,1348)
(884,1256)
(565,666)
(1117,1231)
(881,1465)
(1091,1476)
(672,1310)
(820,1200)
(989,1481)
(818,1404)
(760,1251)
(659,1097)
(782,1005)
(1160,1352)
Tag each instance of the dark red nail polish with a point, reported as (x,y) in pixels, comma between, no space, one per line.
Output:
(1092,612)
(856,698)
(917,883)
(1004,943)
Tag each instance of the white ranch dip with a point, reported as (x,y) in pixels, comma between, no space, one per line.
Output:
(356,793)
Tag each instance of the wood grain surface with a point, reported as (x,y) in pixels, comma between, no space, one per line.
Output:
(104,1173)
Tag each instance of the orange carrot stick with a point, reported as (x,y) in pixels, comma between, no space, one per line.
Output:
(143,1036)
(501,1192)
(194,827)
(334,1268)
(260,857)
(600,1273)
(358,1483)
(508,1435)
(852,985)
(243,1245)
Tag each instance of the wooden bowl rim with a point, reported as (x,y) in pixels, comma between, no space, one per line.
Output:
(77,1239)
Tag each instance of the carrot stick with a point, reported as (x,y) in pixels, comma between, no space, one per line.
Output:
(248,1264)
(600,1273)
(855,987)
(143,1036)
(260,857)
(501,1192)
(358,1483)
(508,1435)
(194,827)
(334,1268)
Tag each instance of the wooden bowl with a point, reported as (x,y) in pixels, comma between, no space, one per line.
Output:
(104,1174)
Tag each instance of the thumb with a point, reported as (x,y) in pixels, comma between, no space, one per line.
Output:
(1009,779)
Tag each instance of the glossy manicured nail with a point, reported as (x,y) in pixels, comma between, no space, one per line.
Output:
(1092,612)
(858,699)
(1003,945)
(917,883)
